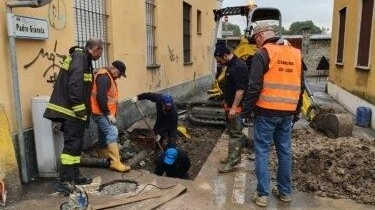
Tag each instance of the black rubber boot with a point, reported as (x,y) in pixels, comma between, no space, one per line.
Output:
(64,185)
(65,188)
(234,158)
(78,179)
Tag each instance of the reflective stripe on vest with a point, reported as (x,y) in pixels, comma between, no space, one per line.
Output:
(282,82)
(112,95)
(68,60)
(69,159)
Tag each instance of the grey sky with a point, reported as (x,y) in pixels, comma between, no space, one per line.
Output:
(319,11)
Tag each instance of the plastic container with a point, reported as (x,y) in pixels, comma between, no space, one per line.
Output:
(363,116)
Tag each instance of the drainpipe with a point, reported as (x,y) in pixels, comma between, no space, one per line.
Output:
(16,90)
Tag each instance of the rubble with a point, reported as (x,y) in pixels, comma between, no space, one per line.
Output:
(336,168)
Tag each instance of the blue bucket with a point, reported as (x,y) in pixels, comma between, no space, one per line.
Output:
(363,116)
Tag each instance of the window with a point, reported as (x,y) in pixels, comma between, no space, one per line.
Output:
(340,45)
(186,32)
(365,33)
(150,33)
(199,22)
(90,21)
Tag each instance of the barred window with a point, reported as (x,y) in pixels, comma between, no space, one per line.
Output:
(187,32)
(90,21)
(365,33)
(340,45)
(150,32)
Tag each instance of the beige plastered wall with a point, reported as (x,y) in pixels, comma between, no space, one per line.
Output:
(359,82)
(127,42)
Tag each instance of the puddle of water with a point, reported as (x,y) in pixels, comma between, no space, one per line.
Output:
(118,187)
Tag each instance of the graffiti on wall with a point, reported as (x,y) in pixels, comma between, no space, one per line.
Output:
(55,60)
(172,55)
(57,14)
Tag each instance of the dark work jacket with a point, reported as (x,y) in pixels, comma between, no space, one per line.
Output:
(236,78)
(259,66)
(179,169)
(72,89)
(103,83)
(166,123)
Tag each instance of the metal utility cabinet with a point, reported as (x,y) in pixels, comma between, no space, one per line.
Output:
(48,139)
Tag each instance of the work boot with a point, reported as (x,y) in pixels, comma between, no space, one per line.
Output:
(260,200)
(65,188)
(114,154)
(99,152)
(226,159)
(234,154)
(79,179)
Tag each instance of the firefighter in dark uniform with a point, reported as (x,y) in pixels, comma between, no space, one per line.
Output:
(70,105)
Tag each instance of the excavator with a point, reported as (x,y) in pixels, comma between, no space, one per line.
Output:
(210,112)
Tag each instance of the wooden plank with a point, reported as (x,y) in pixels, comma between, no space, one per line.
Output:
(162,196)
(108,202)
(169,195)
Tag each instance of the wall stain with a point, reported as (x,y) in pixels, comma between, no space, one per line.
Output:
(51,57)
(172,56)
(57,14)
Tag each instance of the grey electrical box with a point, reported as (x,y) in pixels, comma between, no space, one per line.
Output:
(48,139)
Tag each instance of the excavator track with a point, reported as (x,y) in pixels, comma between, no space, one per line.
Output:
(206,113)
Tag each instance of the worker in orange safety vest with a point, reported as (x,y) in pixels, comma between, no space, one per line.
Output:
(104,101)
(274,96)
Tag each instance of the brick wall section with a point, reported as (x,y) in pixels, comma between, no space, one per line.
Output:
(316,49)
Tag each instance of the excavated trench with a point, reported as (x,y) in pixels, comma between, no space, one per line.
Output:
(139,150)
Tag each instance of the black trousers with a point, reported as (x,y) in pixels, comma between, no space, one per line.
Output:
(74,132)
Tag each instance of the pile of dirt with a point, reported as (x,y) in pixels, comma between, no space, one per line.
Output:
(337,168)
(198,148)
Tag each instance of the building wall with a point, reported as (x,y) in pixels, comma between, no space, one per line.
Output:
(127,42)
(38,60)
(359,82)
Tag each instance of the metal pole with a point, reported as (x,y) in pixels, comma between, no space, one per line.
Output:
(148,125)
(16,93)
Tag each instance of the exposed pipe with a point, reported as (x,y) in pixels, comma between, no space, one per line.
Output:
(16,90)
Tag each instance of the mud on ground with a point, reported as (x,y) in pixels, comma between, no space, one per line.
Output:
(199,147)
(336,168)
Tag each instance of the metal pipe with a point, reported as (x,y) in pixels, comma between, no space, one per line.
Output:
(12,4)
(16,91)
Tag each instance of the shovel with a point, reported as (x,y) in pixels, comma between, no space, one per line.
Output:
(149,126)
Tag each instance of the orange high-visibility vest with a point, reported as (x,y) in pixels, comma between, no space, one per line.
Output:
(282,82)
(112,95)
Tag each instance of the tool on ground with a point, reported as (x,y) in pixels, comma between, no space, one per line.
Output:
(3,194)
(149,126)
(183,131)
(78,200)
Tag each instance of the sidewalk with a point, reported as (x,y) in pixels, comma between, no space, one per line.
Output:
(209,191)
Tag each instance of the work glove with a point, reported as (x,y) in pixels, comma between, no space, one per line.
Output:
(134,99)
(157,138)
(112,119)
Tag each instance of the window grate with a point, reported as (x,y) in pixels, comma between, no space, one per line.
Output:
(187,32)
(90,21)
(150,31)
